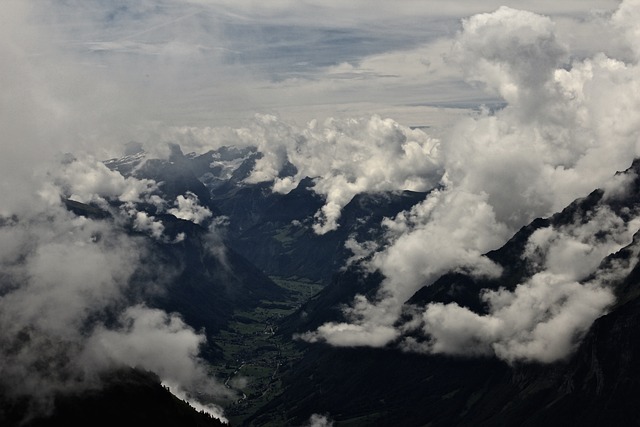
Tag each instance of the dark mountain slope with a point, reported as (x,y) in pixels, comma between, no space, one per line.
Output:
(199,276)
(282,243)
(597,385)
(363,386)
(127,397)
(211,280)
(272,230)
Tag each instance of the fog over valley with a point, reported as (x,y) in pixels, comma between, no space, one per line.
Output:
(319,213)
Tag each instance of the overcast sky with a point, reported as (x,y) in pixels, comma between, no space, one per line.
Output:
(217,62)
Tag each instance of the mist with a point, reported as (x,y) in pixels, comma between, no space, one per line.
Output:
(568,126)
(503,117)
(66,277)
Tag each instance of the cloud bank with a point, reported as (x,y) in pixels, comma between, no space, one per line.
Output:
(344,157)
(66,308)
(568,125)
(67,280)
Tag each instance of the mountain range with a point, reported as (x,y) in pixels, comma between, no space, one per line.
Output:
(234,260)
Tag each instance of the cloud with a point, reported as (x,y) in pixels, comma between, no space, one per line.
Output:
(88,76)
(188,208)
(218,62)
(147,223)
(542,318)
(448,231)
(317,420)
(159,342)
(64,276)
(624,19)
(88,180)
(568,125)
(60,271)
(343,156)
(513,53)
(351,335)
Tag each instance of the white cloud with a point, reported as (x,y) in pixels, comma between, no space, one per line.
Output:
(318,420)
(351,335)
(568,126)
(88,180)
(63,274)
(513,53)
(218,62)
(345,157)
(542,318)
(159,342)
(625,19)
(87,75)
(147,223)
(188,208)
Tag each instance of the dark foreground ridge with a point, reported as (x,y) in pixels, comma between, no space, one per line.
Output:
(127,397)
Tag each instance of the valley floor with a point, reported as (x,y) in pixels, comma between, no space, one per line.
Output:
(254,355)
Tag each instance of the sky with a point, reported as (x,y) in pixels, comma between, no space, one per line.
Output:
(206,63)
(519,113)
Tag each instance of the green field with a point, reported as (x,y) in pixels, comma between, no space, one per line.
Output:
(254,356)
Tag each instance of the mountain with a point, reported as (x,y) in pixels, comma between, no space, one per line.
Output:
(210,284)
(271,230)
(210,279)
(280,240)
(596,385)
(126,397)
(214,272)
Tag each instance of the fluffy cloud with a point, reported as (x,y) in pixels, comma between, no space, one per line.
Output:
(343,156)
(448,231)
(351,335)
(187,207)
(541,321)
(567,127)
(317,420)
(88,180)
(158,342)
(64,275)
(543,317)
(512,52)
(147,223)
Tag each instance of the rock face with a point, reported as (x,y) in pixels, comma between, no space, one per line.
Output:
(601,383)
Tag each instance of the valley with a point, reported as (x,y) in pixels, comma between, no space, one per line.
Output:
(255,355)
(320,214)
